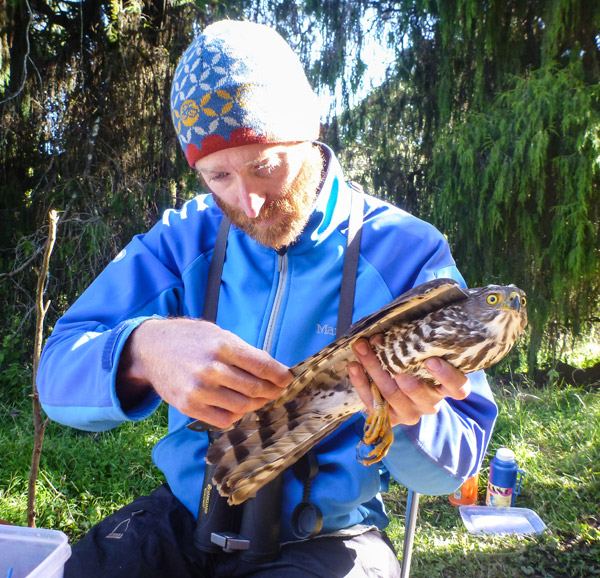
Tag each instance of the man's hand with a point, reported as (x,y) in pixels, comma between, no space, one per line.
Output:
(204,371)
(408,396)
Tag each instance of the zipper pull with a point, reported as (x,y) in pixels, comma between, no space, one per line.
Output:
(281,256)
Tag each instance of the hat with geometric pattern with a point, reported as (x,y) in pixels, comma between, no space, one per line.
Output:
(240,83)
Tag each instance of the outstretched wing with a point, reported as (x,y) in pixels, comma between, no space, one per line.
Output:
(264,443)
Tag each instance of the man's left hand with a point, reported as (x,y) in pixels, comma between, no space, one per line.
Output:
(408,396)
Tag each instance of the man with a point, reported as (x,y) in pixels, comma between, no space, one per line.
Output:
(248,122)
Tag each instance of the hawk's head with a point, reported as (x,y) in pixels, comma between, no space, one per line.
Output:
(502,307)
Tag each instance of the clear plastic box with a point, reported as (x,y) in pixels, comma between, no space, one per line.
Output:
(494,520)
(32,552)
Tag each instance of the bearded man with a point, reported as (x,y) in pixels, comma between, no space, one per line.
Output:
(248,123)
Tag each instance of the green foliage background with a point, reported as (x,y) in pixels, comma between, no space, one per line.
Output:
(487,124)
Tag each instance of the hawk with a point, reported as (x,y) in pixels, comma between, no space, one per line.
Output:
(470,328)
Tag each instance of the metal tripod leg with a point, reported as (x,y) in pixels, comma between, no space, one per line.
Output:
(412,509)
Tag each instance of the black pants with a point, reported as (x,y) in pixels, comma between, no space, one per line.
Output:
(152,538)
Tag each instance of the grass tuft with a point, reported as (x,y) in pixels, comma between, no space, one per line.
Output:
(83,476)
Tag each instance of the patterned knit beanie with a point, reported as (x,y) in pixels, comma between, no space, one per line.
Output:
(240,83)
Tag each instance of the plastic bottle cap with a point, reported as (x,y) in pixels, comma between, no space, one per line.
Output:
(505,455)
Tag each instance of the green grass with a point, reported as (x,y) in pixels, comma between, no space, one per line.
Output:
(83,476)
(553,431)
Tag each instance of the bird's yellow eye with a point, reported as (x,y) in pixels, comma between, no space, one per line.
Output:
(523,301)
(492,299)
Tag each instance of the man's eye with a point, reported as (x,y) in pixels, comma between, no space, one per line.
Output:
(266,168)
(218,176)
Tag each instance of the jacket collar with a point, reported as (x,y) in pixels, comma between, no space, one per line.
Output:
(331,208)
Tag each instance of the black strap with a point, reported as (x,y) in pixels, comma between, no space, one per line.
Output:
(307,518)
(213,512)
(218,514)
(348,286)
(351,258)
(215,271)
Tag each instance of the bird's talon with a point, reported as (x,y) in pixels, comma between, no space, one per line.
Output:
(379,420)
(378,452)
(366,460)
(377,431)
(372,429)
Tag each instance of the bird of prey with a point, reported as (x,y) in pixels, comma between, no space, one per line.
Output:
(470,328)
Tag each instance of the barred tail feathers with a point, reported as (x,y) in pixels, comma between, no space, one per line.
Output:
(254,472)
(268,441)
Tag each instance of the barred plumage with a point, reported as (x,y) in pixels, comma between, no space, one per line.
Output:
(472,329)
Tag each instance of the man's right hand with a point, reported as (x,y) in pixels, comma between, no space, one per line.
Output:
(204,371)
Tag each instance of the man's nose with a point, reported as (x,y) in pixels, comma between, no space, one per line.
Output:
(250,201)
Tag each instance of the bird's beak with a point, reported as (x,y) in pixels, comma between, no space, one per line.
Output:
(515,301)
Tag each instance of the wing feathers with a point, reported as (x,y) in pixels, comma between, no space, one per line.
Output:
(264,443)
(411,305)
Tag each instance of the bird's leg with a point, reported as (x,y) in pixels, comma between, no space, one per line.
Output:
(378,430)
(377,419)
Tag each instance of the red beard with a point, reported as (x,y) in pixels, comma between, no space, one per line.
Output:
(281,221)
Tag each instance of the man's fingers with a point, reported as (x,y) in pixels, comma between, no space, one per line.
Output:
(360,381)
(217,416)
(454,383)
(247,384)
(371,364)
(233,401)
(230,388)
(258,363)
(408,396)
(219,406)
(203,370)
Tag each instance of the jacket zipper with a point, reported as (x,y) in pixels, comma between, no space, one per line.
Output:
(282,268)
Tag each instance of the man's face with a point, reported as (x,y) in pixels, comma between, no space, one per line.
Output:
(266,190)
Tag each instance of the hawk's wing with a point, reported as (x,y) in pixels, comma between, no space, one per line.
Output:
(264,443)
(413,304)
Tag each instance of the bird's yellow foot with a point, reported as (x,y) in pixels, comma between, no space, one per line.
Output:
(377,432)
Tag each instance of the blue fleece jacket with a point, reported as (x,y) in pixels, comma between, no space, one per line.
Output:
(295,297)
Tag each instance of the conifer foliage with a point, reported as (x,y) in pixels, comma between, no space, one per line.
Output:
(487,125)
(85,129)
(490,127)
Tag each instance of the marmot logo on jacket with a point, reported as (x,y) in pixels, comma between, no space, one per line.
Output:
(325,329)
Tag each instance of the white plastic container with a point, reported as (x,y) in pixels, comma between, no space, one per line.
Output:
(32,552)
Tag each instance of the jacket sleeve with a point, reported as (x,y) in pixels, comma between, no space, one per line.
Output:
(76,376)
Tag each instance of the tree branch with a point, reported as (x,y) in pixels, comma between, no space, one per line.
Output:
(39,423)
(24,265)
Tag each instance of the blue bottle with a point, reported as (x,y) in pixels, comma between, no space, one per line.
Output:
(502,483)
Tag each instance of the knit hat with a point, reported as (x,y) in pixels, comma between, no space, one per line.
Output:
(240,83)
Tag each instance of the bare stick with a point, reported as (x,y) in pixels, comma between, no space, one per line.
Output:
(39,423)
